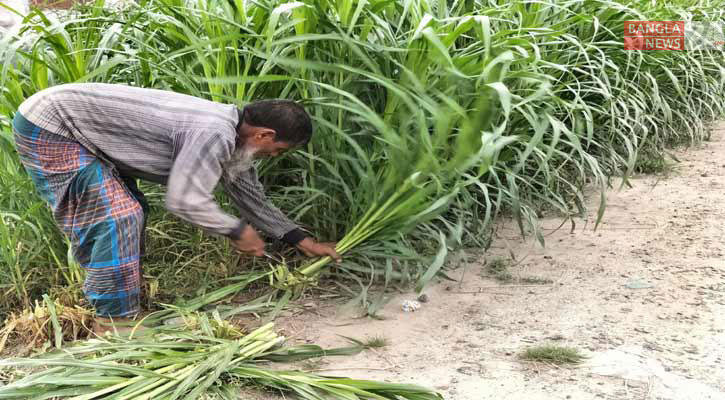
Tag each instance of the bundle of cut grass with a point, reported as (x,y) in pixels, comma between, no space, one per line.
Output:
(186,363)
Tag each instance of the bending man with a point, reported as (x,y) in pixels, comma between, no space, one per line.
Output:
(84,145)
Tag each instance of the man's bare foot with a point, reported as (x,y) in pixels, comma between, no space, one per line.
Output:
(121,326)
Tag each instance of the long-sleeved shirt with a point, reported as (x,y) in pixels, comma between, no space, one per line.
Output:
(165,137)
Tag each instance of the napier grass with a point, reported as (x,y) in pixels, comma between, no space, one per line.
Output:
(431,119)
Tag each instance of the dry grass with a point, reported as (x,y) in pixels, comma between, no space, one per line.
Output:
(45,322)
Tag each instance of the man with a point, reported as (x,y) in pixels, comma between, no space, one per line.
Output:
(84,144)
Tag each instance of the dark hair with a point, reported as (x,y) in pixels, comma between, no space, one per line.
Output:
(289,120)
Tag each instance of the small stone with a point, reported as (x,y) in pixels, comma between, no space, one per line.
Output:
(410,306)
(637,384)
(423,298)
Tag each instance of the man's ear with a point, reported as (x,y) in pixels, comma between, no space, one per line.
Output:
(264,134)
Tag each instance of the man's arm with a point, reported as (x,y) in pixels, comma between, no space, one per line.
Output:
(248,194)
(193,177)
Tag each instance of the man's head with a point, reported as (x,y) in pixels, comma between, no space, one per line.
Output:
(271,127)
(268,129)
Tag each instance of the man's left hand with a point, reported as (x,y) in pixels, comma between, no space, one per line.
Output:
(315,249)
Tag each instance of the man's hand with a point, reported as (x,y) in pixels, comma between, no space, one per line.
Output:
(312,249)
(249,242)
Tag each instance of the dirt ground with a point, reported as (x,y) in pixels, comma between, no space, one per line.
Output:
(643,297)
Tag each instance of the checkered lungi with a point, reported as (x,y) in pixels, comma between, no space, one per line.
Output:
(94,208)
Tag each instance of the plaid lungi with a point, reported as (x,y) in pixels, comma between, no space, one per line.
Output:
(94,208)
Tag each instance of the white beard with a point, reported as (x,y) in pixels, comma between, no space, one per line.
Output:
(242,160)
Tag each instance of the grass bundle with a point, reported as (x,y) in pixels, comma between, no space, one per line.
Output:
(188,362)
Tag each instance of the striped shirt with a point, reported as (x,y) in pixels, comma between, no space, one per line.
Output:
(165,137)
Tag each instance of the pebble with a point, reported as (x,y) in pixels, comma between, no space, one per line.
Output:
(410,306)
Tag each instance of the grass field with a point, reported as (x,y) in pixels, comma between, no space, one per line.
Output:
(431,120)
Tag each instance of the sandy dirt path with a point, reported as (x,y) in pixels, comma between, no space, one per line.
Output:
(643,297)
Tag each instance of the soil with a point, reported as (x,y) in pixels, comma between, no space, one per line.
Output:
(642,296)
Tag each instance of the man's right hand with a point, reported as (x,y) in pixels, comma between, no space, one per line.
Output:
(249,242)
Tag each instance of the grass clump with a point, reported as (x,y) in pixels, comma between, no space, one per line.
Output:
(47,322)
(499,270)
(554,354)
(376,342)
(499,267)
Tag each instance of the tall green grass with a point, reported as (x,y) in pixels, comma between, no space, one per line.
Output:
(498,106)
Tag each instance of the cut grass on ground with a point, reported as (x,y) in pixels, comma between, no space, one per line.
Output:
(550,353)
